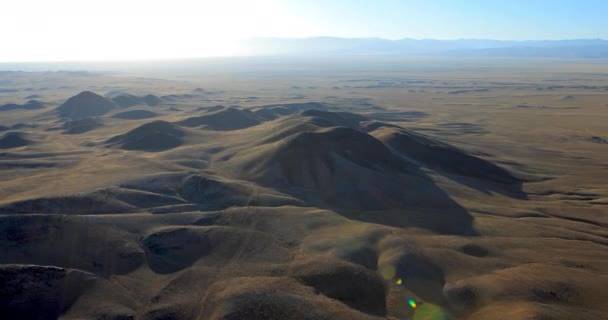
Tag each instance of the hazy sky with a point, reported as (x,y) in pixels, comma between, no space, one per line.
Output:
(48,30)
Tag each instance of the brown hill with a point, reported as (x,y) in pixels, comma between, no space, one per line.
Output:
(225,119)
(127,100)
(151,100)
(30,105)
(81,125)
(274,111)
(85,105)
(154,136)
(14,140)
(336,166)
(206,192)
(441,156)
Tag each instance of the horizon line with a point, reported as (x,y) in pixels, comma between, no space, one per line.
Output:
(245,40)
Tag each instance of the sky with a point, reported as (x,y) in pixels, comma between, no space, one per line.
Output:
(67,30)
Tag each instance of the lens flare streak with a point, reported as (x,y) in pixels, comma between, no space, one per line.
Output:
(412,303)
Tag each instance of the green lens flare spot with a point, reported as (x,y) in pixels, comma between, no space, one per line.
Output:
(412,303)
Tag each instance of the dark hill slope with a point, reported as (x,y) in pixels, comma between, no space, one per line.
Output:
(441,156)
(14,140)
(223,120)
(85,105)
(81,125)
(30,105)
(154,136)
(127,100)
(151,100)
(274,111)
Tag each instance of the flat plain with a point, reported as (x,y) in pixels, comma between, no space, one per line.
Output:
(355,189)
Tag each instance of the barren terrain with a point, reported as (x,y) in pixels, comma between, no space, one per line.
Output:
(390,190)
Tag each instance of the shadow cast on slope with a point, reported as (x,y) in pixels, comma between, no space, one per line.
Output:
(439,214)
(451,162)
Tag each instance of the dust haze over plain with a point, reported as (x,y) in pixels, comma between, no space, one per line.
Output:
(303,160)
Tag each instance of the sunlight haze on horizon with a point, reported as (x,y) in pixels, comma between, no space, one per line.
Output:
(65,30)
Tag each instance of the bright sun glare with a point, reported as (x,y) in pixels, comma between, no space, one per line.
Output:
(63,30)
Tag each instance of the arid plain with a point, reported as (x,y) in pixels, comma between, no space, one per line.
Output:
(430,189)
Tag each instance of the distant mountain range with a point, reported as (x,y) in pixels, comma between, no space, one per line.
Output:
(582,48)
